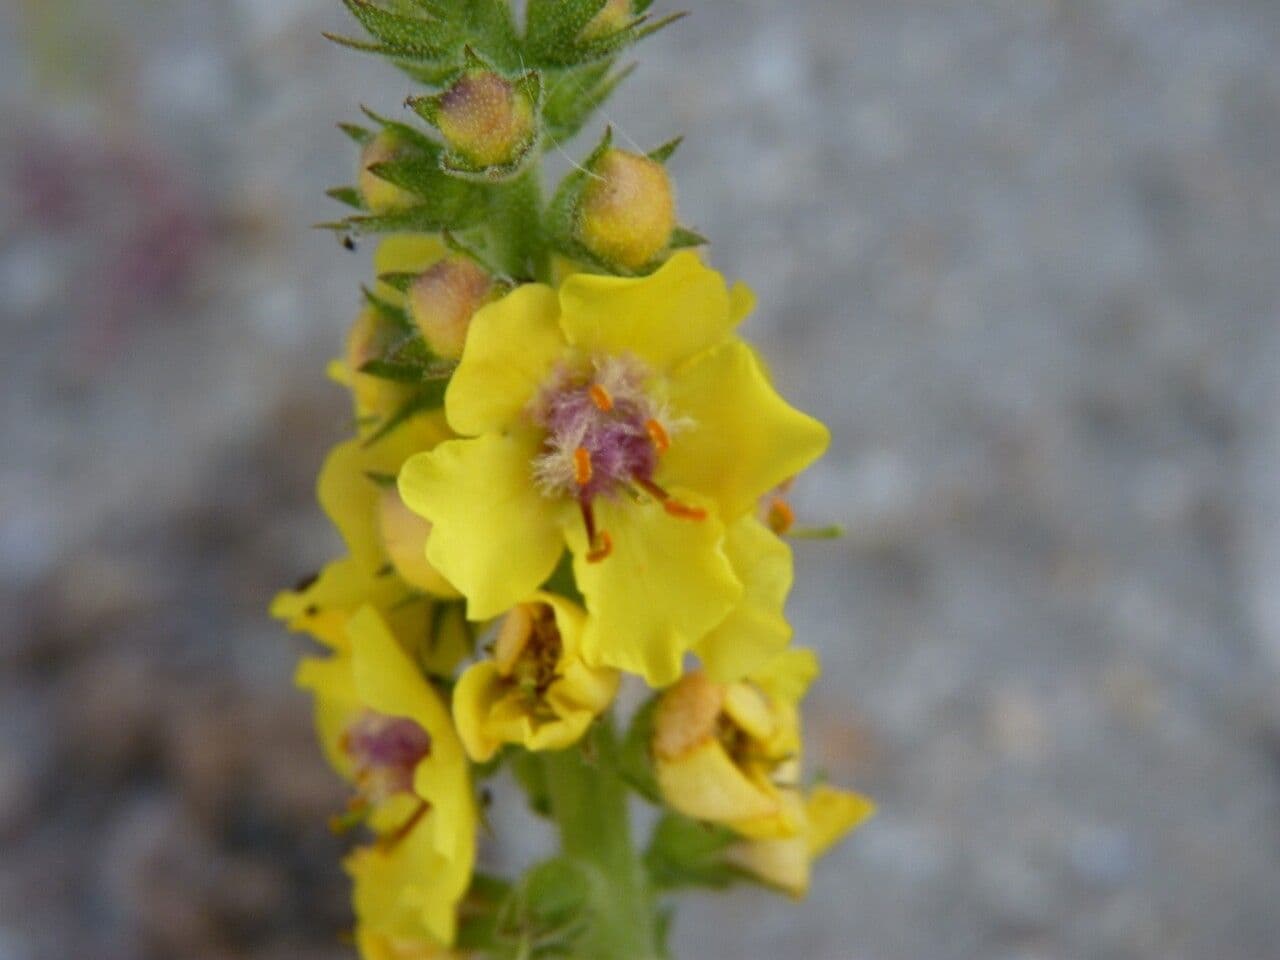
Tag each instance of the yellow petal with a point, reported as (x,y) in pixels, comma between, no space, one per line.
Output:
(833,813)
(477,690)
(756,630)
(494,536)
(704,783)
(781,862)
(348,495)
(350,499)
(747,707)
(742,301)
(744,439)
(335,704)
(407,890)
(324,605)
(512,346)
(666,583)
(665,318)
(391,684)
(788,675)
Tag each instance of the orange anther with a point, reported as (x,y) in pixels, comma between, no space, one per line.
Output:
(658,435)
(601,397)
(582,466)
(780,517)
(683,510)
(603,547)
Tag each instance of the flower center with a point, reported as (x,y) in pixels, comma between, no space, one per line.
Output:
(385,751)
(604,434)
(528,650)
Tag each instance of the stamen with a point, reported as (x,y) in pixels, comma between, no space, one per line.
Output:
(683,511)
(599,543)
(602,549)
(601,397)
(658,435)
(582,466)
(780,517)
(392,840)
(673,507)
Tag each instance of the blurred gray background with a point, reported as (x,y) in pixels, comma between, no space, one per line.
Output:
(1023,255)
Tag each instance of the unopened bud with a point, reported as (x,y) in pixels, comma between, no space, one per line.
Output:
(613,16)
(443,300)
(366,341)
(486,119)
(382,196)
(627,210)
(404,536)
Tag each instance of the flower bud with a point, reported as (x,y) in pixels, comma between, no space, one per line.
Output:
(443,300)
(486,119)
(613,16)
(382,196)
(373,395)
(627,210)
(404,535)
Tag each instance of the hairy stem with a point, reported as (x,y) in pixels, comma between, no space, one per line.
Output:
(589,803)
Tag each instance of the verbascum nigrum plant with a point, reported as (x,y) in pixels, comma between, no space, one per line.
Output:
(567,476)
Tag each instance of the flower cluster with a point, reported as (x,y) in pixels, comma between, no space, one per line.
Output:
(566,474)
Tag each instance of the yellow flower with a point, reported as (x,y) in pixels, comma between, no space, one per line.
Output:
(535,690)
(826,815)
(624,419)
(389,732)
(374,946)
(724,752)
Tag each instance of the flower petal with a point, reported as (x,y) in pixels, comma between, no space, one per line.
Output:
(511,347)
(756,630)
(494,536)
(391,684)
(833,813)
(744,438)
(665,318)
(705,784)
(474,696)
(666,583)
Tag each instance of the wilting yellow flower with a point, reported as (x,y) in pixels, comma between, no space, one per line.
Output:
(388,731)
(728,752)
(535,690)
(825,815)
(624,419)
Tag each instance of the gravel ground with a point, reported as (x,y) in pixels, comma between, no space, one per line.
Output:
(1024,257)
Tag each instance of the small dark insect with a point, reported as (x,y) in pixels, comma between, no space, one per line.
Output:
(349,243)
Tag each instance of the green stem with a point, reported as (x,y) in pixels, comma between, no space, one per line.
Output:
(589,803)
(515,227)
